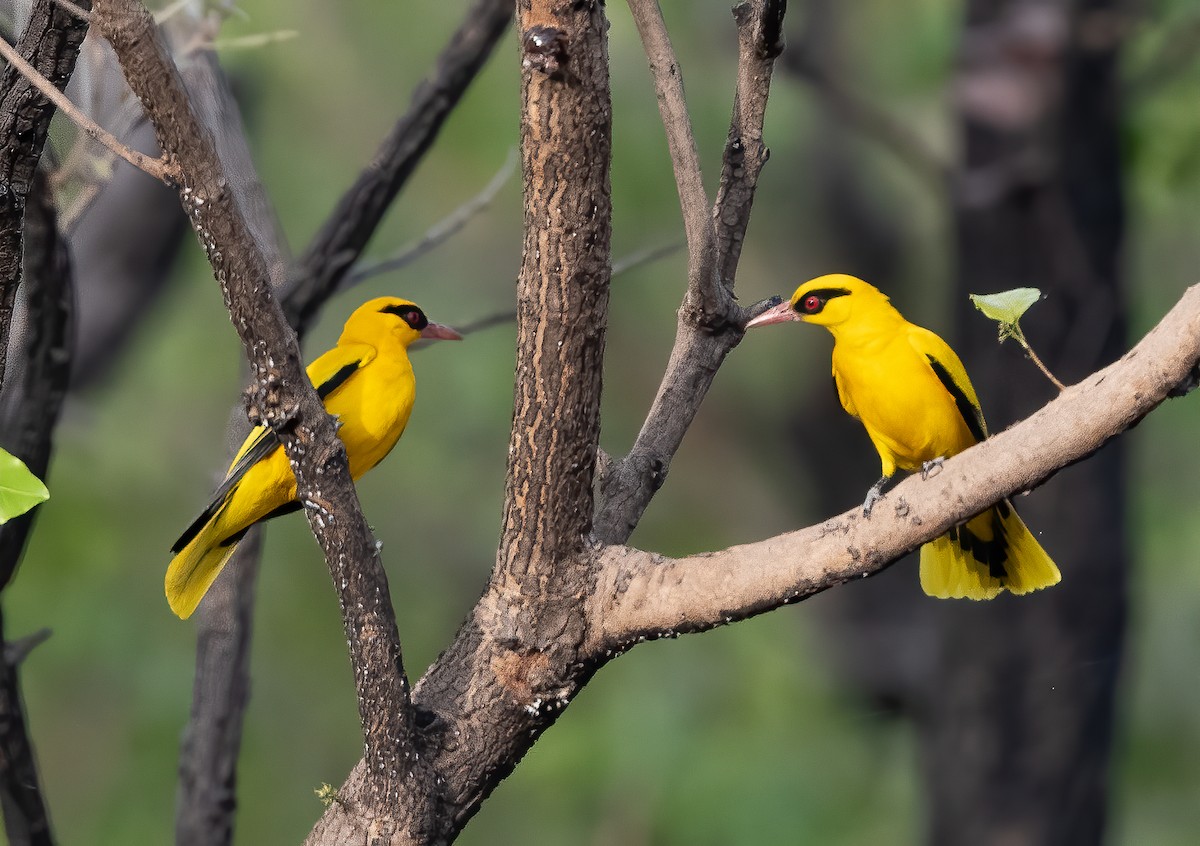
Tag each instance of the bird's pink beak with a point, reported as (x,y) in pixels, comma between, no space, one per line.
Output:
(438,332)
(776,314)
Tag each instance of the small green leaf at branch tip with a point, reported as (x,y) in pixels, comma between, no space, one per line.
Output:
(1006,307)
(20,490)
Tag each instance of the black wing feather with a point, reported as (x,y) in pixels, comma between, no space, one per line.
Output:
(337,379)
(266,443)
(971,415)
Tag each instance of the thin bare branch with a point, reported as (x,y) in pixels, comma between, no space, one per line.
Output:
(647,255)
(207,796)
(709,324)
(760,41)
(286,400)
(440,232)
(16,651)
(872,121)
(160,169)
(681,141)
(350,226)
(78,11)
(644,596)
(207,799)
(622,265)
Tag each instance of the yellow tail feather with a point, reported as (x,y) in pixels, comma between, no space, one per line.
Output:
(194,569)
(949,570)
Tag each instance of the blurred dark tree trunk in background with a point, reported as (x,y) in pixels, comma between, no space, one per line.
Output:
(879,629)
(1014,698)
(1017,727)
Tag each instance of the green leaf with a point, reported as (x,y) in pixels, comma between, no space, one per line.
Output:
(1007,306)
(20,490)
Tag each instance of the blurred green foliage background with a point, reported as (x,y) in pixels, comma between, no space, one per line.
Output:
(739,735)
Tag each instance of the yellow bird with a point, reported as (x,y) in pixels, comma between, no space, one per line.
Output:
(912,394)
(366,381)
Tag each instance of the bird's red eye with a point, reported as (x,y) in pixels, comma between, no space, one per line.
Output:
(811,304)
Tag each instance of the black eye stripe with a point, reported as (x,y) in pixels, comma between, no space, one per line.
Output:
(409,313)
(823,296)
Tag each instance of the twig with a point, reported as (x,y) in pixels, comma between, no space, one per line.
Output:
(204,813)
(78,11)
(872,121)
(1042,367)
(709,320)
(159,168)
(26,819)
(487,322)
(624,265)
(760,42)
(439,233)
(16,651)
(647,255)
(286,400)
(681,140)
(335,249)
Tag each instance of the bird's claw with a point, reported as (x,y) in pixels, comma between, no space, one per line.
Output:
(877,491)
(932,468)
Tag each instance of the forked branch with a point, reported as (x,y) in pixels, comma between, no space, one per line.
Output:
(286,399)
(710,320)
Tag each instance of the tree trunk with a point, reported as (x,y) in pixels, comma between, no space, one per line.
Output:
(1017,728)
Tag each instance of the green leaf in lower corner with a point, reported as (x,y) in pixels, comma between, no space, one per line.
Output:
(20,490)
(1007,306)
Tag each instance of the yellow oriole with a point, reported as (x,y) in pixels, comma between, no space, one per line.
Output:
(912,394)
(366,381)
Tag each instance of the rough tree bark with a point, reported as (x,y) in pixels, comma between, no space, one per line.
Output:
(30,413)
(284,400)
(51,44)
(207,803)
(347,230)
(560,604)
(515,663)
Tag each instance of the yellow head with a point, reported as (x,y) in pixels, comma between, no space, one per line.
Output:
(829,300)
(402,319)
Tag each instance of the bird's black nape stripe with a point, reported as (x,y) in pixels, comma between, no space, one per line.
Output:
(829,293)
(410,314)
(336,380)
(970,414)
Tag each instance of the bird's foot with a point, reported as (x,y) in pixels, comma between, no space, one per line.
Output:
(931,468)
(876,493)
